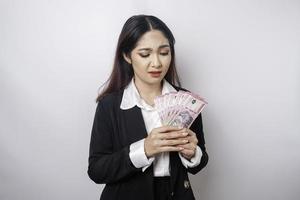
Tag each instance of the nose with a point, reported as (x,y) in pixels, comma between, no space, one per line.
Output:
(156,61)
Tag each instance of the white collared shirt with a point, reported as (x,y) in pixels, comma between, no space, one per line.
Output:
(131,97)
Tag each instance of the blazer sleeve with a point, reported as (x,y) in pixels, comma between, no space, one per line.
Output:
(197,127)
(105,164)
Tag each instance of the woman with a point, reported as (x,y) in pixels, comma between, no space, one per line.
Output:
(130,151)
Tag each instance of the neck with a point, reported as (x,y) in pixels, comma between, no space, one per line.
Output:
(148,92)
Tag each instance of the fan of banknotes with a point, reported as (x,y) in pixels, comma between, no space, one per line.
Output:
(179,108)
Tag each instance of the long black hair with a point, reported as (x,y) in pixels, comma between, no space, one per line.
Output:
(132,31)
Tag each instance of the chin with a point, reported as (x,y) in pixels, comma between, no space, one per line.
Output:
(154,81)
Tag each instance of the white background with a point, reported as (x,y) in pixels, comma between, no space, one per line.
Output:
(242,56)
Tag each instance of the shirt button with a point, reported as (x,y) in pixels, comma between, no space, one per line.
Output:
(186,184)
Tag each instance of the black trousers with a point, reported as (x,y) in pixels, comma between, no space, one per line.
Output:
(162,188)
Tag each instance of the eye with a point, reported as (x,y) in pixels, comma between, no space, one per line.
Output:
(144,55)
(165,54)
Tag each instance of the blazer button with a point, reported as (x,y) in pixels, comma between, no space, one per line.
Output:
(186,184)
(172,193)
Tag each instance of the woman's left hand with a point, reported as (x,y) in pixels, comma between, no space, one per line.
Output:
(189,148)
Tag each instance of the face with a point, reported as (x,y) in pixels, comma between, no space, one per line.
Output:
(151,58)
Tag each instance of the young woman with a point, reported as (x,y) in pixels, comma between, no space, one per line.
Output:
(130,151)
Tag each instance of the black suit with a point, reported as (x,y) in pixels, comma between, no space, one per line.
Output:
(113,131)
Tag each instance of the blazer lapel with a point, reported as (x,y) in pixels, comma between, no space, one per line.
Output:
(135,125)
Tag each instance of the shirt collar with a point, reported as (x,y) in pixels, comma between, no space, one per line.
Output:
(131,96)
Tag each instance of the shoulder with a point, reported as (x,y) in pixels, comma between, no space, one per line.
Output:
(111,100)
(180,88)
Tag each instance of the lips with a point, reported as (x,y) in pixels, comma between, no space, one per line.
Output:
(155,73)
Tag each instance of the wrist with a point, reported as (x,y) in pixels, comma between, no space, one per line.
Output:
(188,157)
(147,153)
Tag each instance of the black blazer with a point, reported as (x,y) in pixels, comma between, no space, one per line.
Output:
(112,133)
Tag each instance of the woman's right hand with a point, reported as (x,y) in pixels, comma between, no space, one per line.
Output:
(165,139)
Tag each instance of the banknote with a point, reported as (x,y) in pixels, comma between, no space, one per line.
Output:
(179,108)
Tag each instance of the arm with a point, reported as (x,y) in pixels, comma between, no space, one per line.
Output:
(138,156)
(106,165)
(197,127)
(194,161)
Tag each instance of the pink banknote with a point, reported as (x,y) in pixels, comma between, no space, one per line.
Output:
(179,108)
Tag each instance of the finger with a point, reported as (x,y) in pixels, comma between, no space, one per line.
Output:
(173,135)
(169,148)
(190,132)
(173,142)
(192,139)
(189,146)
(168,128)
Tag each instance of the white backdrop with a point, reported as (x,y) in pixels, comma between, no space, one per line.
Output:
(242,56)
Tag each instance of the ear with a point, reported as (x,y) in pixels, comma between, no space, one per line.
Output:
(126,58)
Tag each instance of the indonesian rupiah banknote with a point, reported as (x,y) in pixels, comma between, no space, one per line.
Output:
(179,108)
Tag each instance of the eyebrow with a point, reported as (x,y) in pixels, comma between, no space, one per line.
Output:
(160,47)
